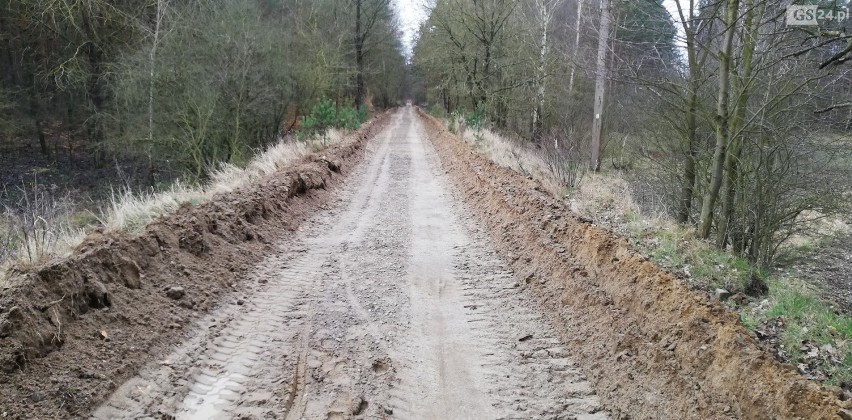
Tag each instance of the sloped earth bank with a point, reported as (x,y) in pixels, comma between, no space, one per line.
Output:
(391,304)
(651,348)
(432,284)
(72,330)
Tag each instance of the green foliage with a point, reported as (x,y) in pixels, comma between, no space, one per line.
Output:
(459,120)
(808,319)
(709,267)
(349,118)
(456,120)
(220,83)
(186,84)
(325,115)
(476,119)
(749,320)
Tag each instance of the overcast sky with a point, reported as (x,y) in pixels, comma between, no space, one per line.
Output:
(411,14)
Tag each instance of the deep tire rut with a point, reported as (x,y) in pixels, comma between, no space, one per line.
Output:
(389,304)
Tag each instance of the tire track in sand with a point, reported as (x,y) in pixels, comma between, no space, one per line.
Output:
(227,365)
(392,304)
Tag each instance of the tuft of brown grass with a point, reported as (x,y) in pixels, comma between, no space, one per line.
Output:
(34,225)
(551,166)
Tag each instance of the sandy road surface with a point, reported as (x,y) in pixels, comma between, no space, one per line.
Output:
(389,304)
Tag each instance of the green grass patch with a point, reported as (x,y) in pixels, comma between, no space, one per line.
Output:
(677,248)
(808,319)
(749,320)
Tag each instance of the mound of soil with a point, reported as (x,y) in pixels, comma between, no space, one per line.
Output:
(73,330)
(652,347)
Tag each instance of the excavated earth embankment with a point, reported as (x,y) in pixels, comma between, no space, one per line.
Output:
(73,330)
(652,348)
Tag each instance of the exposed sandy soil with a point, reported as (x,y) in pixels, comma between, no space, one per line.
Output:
(426,283)
(651,347)
(391,304)
(72,331)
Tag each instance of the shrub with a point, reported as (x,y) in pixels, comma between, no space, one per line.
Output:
(322,117)
(325,115)
(476,119)
(348,118)
(35,225)
(456,121)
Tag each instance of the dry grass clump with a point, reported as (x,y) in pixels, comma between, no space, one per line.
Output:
(606,198)
(35,224)
(553,164)
(228,177)
(40,225)
(503,151)
(814,228)
(603,197)
(129,212)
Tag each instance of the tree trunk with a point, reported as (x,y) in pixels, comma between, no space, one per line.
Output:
(575,53)
(486,75)
(544,20)
(95,89)
(151,67)
(688,186)
(743,93)
(600,86)
(721,121)
(359,57)
(37,116)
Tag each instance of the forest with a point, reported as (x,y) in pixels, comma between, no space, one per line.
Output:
(733,121)
(184,85)
(738,122)
(116,112)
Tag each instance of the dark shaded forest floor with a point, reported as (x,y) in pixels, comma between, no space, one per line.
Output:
(71,173)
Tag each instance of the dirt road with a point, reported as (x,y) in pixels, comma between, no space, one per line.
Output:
(391,303)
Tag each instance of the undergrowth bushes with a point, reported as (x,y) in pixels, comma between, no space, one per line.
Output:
(809,332)
(37,225)
(326,115)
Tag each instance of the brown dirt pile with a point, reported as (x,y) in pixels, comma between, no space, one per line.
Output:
(73,330)
(652,347)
